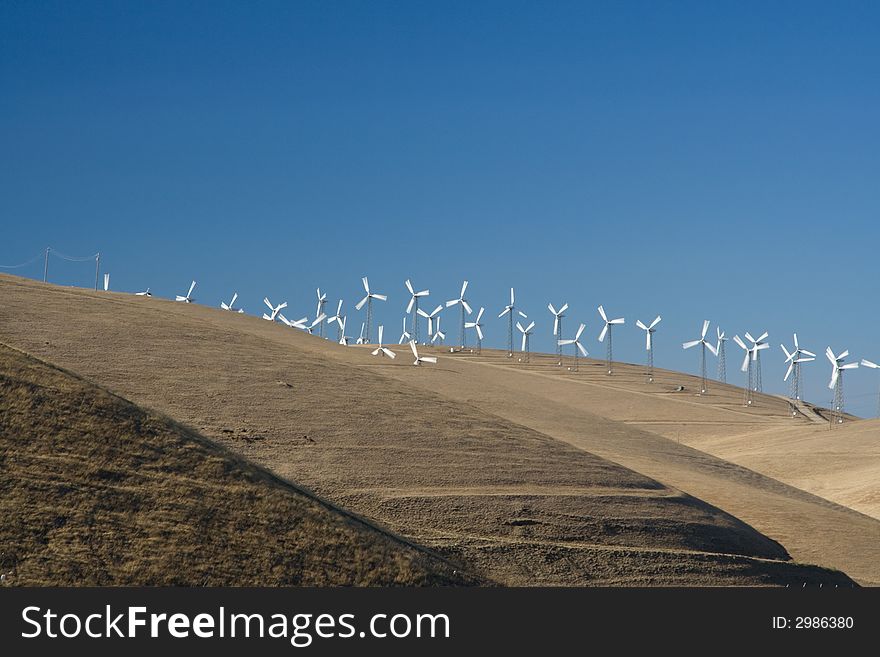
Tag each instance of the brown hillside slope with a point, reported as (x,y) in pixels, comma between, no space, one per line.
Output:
(522,507)
(95,491)
(649,428)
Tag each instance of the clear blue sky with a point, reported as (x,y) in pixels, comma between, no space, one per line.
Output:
(695,159)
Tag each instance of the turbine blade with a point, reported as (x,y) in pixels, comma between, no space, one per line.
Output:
(463,288)
(409,306)
(366,284)
(688,345)
(602,314)
(602,334)
(655,322)
(640,325)
(409,287)
(504,312)
(581,348)
(579,331)
(705,328)
(360,304)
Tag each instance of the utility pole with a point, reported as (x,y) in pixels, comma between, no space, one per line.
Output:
(46,266)
(97,269)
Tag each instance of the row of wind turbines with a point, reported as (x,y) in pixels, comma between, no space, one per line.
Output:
(751,346)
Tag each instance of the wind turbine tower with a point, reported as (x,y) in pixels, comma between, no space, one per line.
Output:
(413,308)
(722,354)
(838,367)
(526,334)
(508,310)
(873,366)
(557,327)
(578,347)
(649,330)
(606,332)
(365,335)
(703,346)
(757,346)
(464,307)
(322,299)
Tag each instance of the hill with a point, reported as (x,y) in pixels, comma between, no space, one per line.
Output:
(96,491)
(463,457)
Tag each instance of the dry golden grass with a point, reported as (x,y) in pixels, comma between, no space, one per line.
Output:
(96,491)
(516,481)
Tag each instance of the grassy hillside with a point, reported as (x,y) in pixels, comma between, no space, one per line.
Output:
(451,457)
(96,491)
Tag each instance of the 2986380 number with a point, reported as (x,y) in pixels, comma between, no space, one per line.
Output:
(823,622)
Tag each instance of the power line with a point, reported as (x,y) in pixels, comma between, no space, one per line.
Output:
(24,264)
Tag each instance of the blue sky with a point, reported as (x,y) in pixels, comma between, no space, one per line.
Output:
(699,160)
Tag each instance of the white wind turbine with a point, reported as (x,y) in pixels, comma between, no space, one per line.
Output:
(337,318)
(794,359)
(526,334)
(405,336)
(106,282)
(606,332)
(412,307)
(188,298)
(872,365)
(275,309)
(381,349)
(722,354)
(317,322)
(369,301)
(508,310)
(464,307)
(322,299)
(438,334)
(577,346)
(836,384)
(145,293)
(479,329)
(557,326)
(649,330)
(757,346)
(343,338)
(361,338)
(703,346)
(420,359)
(432,317)
(231,305)
(747,368)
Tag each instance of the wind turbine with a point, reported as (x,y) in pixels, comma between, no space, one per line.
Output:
(340,328)
(606,332)
(479,329)
(275,309)
(188,298)
(369,301)
(526,334)
(322,299)
(836,384)
(873,366)
(145,293)
(794,359)
(577,346)
(438,334)
(757,346)
(431,317)
(747,368)
(405,336)
(343,338)
(318,321)
(413,307)
(106,282)
(722,354)
(361,339)
(649,330)
(508,310)
(703,346)
(382,349)
(420,359)
(464,307)
(231,304)
(557,326)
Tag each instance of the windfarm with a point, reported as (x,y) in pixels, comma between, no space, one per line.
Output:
(483,465)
